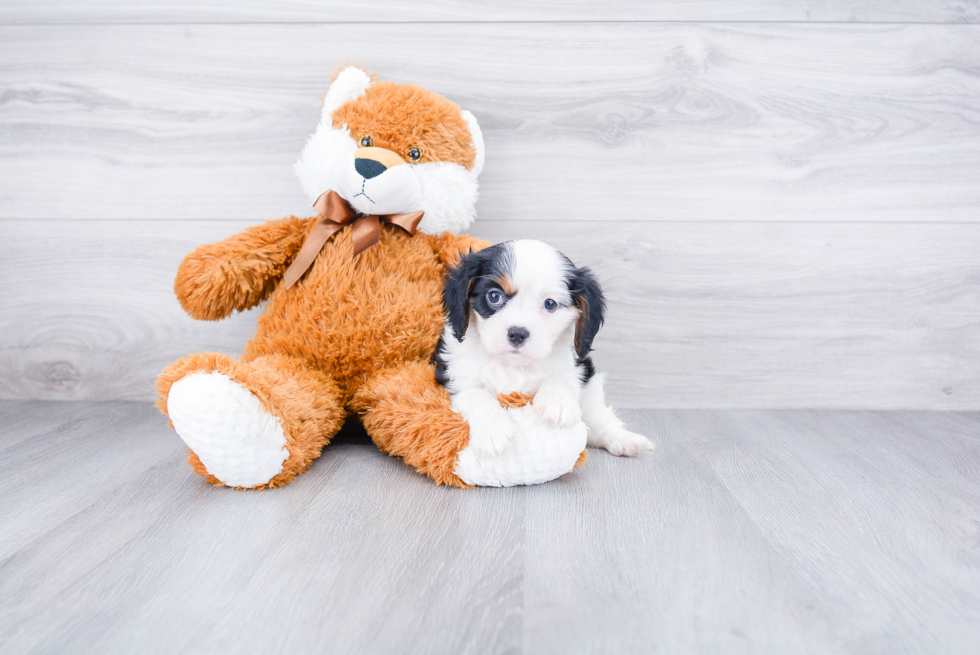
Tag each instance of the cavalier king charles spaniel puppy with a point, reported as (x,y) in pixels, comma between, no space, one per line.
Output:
(520,317)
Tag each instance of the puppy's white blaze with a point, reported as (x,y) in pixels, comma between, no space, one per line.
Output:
(540,270)
(537,272)
(485,358)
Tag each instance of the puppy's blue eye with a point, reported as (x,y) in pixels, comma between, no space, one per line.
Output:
(494,297)
(550,305)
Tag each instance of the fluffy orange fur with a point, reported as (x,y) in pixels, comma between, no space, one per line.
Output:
(307,401)
(355,334)
(212,282)
(506,284)
(399,116)
(408,415)
(514,399)
(361,328)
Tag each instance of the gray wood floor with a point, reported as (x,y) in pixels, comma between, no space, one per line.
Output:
(746,531)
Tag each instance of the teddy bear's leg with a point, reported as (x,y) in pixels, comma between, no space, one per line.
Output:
(408,414)
(253,424)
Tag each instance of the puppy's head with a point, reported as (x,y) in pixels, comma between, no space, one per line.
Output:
(522,298)
(391,148)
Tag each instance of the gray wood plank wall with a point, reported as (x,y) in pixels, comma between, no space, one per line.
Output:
(334,11)
(782,198)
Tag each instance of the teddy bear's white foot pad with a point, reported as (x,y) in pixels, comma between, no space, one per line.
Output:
(238,442)
(538,453)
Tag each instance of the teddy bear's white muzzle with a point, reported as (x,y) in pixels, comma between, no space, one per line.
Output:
(394,190)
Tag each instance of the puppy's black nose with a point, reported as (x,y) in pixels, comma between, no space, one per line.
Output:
(517,335)
(369,168)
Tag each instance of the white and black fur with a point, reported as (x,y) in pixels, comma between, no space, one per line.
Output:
(520,317)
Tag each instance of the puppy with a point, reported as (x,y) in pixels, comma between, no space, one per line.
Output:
(520,317)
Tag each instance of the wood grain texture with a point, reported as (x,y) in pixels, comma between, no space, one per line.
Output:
(342,561)
(744,532)
(752,532)
(340,11)
(90,450)
(724,314)
(597,121)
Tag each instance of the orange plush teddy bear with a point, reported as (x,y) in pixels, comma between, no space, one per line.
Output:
(354,296)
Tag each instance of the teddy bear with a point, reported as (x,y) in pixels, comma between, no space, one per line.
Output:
(352,306)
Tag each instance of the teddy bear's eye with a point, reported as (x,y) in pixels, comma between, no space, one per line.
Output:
(415,153)
(366,141)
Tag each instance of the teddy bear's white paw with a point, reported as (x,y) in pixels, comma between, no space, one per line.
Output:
(225,425)
(491,437)
(557,406)
(624,443)
(538,452)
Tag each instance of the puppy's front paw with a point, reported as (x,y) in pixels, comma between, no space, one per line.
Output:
(557,406)
(627,444)
(491,436)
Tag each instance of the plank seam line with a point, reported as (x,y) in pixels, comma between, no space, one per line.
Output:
(492,22)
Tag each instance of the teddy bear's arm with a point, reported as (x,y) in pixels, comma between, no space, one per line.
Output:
(449,247)
(240,271)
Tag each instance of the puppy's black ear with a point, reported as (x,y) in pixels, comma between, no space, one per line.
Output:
(456,293)
(587,296)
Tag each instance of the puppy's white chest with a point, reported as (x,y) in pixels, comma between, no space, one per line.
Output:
(497,377)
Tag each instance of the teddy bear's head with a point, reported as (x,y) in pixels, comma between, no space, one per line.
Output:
(392,148)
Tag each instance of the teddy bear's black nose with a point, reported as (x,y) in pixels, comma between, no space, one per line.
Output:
(369,168)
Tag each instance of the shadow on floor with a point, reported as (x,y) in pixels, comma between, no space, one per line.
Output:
(352,434)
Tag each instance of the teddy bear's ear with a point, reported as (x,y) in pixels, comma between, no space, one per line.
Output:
(477,137)
(349,84)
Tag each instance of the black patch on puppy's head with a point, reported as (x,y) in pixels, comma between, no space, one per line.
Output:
(469,283)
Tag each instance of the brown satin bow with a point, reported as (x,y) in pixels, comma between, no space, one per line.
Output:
(335,213)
